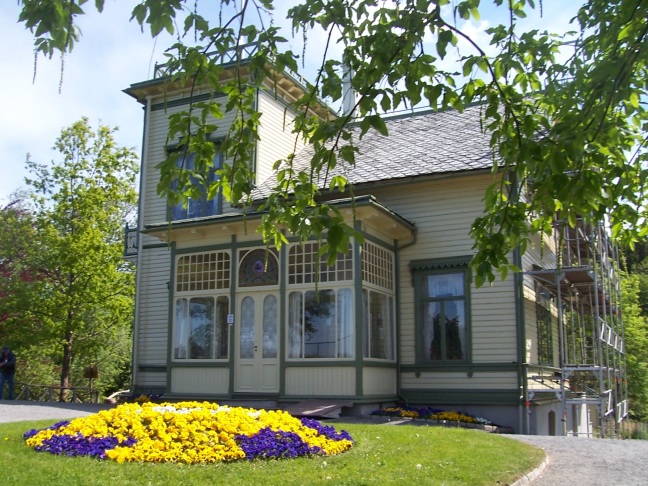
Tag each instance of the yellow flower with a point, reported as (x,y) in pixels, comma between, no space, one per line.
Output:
(186,432)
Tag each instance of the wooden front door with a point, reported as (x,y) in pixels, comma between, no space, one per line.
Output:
(257,343)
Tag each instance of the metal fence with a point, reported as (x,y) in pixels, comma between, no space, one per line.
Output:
(53,393)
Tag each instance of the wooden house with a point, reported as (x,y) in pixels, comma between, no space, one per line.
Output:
(397,318)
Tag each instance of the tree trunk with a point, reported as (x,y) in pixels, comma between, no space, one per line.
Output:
(66,368)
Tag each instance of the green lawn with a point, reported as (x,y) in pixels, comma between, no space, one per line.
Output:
(382,454)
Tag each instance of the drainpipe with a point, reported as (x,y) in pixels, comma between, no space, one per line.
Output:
(140,242)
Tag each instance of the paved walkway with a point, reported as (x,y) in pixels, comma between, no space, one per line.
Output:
(18,410)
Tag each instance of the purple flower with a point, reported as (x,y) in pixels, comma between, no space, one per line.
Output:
(78,445)
(326,430)
(271,444)
(57,425)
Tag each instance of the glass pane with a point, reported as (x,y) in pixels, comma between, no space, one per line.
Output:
(443,285)
(455,329)
(180,330)
(365,323)
(222,328)
(295,324)
(270,327)
(432,330)
(247,328)
(201,319)
(381,330)
(345,323)
(389,340)
(319,319)
(444,327)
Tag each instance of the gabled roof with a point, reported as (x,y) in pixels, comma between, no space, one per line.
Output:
(419,144)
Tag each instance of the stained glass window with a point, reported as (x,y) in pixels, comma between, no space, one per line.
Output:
(258,268)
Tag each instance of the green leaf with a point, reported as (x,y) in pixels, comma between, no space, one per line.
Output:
(373,121)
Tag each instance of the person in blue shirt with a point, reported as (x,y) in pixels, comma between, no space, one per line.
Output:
(7,371)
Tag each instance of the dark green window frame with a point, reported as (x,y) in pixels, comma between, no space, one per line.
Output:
(442,311)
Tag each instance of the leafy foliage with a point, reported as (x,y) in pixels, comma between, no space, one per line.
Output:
(636,338)
(568,136)
(68,293)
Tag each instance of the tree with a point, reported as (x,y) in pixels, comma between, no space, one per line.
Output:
(570,134)
(636,338)
(76,308)
(16,233)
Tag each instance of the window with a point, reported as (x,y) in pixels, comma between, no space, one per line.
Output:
(201,329)
(377,266)
(378,301)
(442,316)
(201,206)
(258,268)
(320,323)
(545,323)
(378,311)
(303,267)
(203,271)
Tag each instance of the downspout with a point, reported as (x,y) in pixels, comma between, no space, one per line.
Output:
(398,315)
(521,345)
(140,243)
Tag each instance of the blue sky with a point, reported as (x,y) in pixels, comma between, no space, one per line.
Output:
(112,54)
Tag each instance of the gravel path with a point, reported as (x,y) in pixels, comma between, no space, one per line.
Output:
(591,462)
(572,460)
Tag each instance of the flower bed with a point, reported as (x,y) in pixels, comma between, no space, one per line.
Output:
(430,413)
(188,432)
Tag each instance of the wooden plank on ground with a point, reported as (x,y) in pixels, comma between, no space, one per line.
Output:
(316,408)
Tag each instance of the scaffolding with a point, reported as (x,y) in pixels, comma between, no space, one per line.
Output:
(586,289)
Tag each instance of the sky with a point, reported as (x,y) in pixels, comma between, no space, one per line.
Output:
(112,54)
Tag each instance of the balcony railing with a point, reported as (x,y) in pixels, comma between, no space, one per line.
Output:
(236,54)
(239,53)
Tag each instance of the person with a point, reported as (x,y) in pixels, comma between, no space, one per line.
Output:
(8,370)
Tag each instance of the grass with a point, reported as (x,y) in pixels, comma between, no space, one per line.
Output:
(383,455)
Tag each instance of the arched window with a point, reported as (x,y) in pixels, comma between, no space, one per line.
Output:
(258,268)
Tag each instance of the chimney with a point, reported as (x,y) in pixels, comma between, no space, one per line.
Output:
(348,93)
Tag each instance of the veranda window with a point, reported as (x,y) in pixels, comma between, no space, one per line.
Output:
(320,323)
(378,311)
(378,301)
(200,329)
